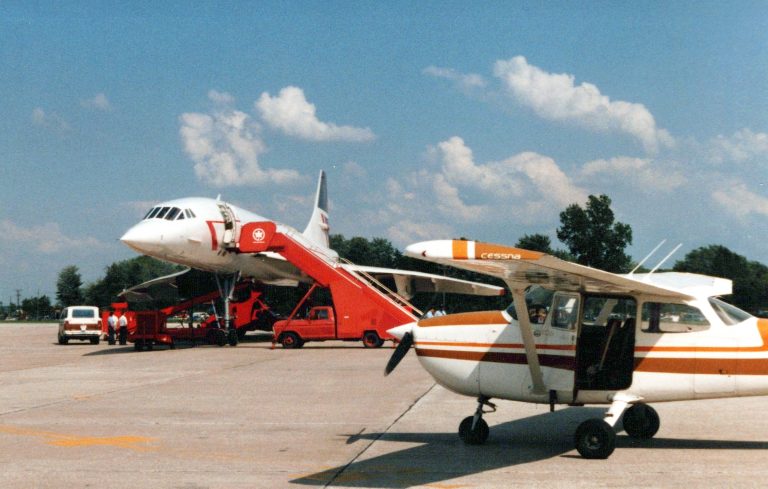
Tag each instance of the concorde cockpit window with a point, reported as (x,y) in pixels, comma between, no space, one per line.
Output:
(728,313)
(162,212)
(662,317)
(152,212)
(172,213)
(189,213)
(146,216)
(180,216)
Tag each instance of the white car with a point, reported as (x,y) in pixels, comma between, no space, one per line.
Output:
(80,323)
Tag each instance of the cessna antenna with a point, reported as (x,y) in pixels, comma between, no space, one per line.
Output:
(648,256)
(665,258)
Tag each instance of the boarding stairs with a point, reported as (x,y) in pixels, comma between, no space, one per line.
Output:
(361,302)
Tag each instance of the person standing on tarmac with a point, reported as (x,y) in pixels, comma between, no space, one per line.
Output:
(111,326)
(123,331)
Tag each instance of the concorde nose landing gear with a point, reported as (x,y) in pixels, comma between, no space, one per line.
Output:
(226,290)
(473,430)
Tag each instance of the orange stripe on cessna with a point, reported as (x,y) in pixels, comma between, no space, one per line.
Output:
(465,319)
(487,251)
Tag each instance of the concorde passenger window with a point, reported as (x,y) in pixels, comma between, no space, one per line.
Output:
(662,317)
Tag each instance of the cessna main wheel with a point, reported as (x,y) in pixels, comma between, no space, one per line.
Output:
(641,421)
(476,436)
(595,439)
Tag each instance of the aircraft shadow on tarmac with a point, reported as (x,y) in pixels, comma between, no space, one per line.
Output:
(442,456)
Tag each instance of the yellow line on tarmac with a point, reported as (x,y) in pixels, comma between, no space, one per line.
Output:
(136,443)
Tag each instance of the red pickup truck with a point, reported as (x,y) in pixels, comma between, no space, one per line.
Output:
(320,325)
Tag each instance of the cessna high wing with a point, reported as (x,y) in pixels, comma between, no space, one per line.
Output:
(577,335)
(204,234)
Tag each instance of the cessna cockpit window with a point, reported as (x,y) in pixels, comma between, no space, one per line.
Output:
(729,314)
(538,301)
(564,311)
(659,317)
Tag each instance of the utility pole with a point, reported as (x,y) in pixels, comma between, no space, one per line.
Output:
(18,299)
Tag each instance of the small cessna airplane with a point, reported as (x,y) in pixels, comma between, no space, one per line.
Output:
(577,335)
(202,233)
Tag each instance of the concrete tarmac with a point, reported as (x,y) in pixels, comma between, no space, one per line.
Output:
(103,416)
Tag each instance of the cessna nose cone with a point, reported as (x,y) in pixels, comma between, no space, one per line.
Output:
(400,331)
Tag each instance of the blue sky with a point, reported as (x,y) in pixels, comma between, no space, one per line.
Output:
(432,119)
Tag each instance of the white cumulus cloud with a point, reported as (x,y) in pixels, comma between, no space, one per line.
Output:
(743,145)
(463,81)
(643,173)
(226,145)
(528,176)
(556,97)
(47,120)
(46,238)
(97,102)
(736,198)
(291,113)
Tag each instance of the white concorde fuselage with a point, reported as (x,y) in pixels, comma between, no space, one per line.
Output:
(197,240)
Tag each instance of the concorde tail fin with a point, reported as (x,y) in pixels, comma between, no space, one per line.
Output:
(317,228)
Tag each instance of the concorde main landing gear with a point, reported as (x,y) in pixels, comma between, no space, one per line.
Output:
(473,430)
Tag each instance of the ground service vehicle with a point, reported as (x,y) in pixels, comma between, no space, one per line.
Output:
(80,323)
(320,325)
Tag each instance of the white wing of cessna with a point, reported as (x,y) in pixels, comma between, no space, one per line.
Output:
(576,335)
(200,232)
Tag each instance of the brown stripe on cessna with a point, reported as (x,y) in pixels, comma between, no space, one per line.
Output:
(465,319)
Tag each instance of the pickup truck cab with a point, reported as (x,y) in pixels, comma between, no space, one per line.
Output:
(80,323)
(319,325)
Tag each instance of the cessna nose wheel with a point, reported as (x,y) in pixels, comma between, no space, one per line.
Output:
(473,435)
(473,430)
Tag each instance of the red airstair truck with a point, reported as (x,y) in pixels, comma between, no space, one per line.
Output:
(320,324)
(362,309)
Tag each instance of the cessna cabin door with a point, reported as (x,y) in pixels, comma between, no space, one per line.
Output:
(606,345)
(556,341)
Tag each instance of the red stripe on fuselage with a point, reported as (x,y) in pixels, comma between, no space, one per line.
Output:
(214,239)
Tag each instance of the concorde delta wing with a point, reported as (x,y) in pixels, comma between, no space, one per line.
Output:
(520,268)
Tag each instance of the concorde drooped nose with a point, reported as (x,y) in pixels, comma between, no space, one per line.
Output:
(145,237)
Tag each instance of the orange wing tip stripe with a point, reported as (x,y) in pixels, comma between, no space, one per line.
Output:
(475,250)
(459,249)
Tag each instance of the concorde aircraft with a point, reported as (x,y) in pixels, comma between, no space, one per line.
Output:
(205,234)
(577,335)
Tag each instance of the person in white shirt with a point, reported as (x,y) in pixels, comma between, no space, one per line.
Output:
(123,331)
(111,327)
